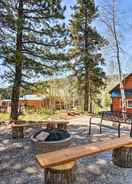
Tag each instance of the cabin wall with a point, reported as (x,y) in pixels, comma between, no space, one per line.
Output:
(32,103)
(5,106)
(116,96)
(116,104)
(46,103)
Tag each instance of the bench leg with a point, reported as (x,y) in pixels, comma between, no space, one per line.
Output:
(47,176)
(52,176)
(68,176)
(17,133)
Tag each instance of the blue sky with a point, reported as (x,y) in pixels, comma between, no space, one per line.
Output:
(125,6)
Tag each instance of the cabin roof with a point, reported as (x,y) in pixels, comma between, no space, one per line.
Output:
(32,97)
(6,100)
(117,93)
(117,86)
(27,97)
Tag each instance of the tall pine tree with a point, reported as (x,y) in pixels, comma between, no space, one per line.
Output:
(86,44)
(32,37)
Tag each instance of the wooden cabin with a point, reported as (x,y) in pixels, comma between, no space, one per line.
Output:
(116,95)
(5,105)
(35,102)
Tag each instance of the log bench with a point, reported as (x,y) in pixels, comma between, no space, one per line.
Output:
(118,118)
(51,159)
(18,127)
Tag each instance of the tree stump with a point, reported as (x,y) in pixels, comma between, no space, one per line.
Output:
(62,126)
(122,157)
(62,174)
(17,133)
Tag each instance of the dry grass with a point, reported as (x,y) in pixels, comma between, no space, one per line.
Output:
(26,117)
(39,116)
(4,116)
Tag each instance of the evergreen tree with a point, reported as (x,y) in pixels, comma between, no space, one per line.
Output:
(86,44)
(32,37)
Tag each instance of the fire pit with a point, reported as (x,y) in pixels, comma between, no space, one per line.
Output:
(47,140)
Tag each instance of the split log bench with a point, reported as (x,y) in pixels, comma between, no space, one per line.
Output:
(118,118)
(18,126)
(51,159)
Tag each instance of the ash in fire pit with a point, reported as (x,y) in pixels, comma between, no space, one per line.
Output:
(47,140)
(52,135)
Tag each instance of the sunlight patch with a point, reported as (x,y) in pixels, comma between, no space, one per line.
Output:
(30,170)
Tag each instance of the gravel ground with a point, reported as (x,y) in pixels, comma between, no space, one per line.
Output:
(18,164)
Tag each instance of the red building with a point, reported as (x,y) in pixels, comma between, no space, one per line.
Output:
(116,95)
(35,102)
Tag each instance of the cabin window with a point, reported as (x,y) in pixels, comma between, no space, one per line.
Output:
(129,103)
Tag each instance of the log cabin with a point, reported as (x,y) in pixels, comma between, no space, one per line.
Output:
(116,95)
(35,102)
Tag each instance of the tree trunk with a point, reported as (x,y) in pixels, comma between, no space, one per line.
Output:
(86,88)
(91,107)
(18,67)
(90,98)
(86,93)
(123,100)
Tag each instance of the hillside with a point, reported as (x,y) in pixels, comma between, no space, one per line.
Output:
(67,88)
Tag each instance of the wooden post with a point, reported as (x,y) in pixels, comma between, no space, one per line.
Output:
(17,133)
(90,123)
(100,129)
(119,125)
(131,129)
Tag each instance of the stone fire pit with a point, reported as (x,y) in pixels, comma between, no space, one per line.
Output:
(47,140)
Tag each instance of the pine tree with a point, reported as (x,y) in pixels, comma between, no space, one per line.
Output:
(86,44)
(32,37)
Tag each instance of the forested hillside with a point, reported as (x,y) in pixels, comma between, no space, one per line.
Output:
(68,89)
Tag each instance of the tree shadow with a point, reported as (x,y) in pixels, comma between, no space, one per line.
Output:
(18,163)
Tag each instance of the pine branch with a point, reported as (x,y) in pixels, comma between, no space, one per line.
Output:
(53,16)
(40,43)
(48,32)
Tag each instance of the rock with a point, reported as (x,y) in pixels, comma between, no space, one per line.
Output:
(42,136)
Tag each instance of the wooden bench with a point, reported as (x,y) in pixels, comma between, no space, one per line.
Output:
(49,160)
(18,126)
(62,156)
(118,118)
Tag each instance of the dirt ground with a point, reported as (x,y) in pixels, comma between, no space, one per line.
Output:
(19,166)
